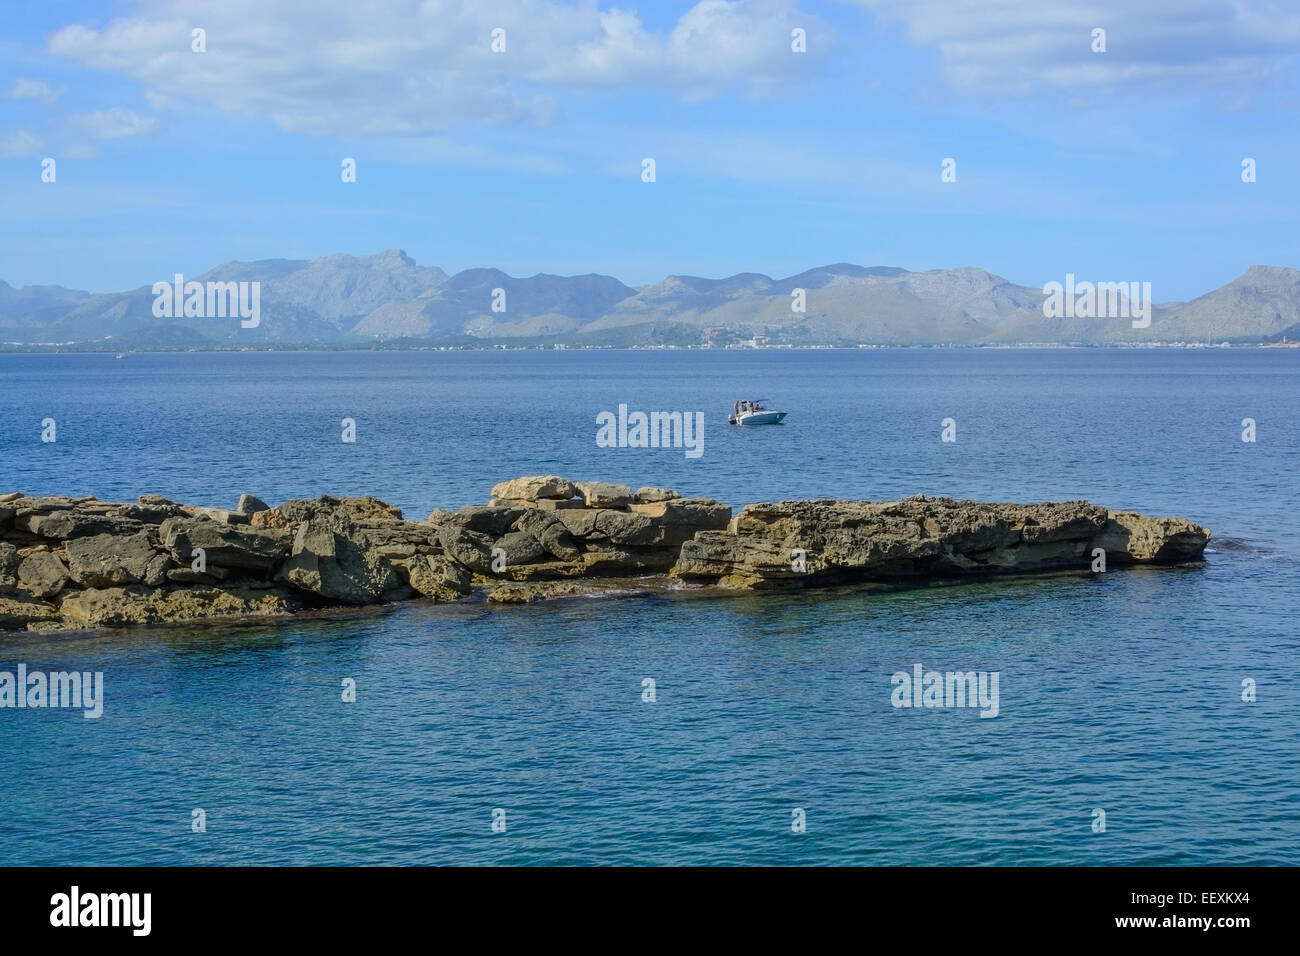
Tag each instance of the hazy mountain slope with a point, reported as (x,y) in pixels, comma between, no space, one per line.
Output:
(540,305)
(844,304)
(338,288)
(342,300)
(1263,301)
(35,299)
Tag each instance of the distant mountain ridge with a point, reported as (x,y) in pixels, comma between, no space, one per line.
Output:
(340,300)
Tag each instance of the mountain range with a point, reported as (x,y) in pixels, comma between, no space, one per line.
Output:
(388,299)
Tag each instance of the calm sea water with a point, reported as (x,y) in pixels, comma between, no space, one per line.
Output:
(1119,692)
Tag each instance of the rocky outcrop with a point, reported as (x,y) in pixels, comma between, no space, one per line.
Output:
(334,558)
(820,542)
(534,488)
(42,574)
(1133,538)
(72,563)
(603,494)
(529,533)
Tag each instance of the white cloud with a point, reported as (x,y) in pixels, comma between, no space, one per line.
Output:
(25,89)
(423,66)
(115,123)
(1017,46)
(19,143)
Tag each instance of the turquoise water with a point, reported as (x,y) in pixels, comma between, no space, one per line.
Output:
(1118,691)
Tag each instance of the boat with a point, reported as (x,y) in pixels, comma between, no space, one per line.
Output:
(752,411)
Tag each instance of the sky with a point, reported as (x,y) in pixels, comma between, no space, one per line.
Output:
(1122,165)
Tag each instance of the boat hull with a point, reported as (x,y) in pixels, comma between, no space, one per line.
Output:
(761,418)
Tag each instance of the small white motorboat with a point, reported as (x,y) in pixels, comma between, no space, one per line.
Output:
(752,411)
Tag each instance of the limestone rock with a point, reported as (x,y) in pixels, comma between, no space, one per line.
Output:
(540,571)
(17,611)
(1129,537)
(42,574)
(492,519)
(8,565)
(469,548)
(79,562)
(257,550)
(251,504)
(437,577)
(580,524)
(604,494)
(63,523)
(557,504)
(109,607)
(104,560)
(117,607)
(333,558)
(149,514)
(648,494)
(845,541)
(678,519)
(622,527)
(534,487)
(295,512)
(219,515)
(214,575)
(610,561)
(520,547)
(551,532)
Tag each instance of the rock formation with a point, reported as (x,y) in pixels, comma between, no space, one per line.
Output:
(76,563)
(821,542)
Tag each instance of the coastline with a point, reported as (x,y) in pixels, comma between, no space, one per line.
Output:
(108,346)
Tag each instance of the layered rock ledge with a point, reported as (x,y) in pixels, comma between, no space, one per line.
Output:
(80,563)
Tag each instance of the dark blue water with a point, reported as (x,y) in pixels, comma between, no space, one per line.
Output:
(1119,691)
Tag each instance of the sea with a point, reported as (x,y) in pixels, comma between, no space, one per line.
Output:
(1145,716)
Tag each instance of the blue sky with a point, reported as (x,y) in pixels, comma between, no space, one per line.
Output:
(1116,166)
